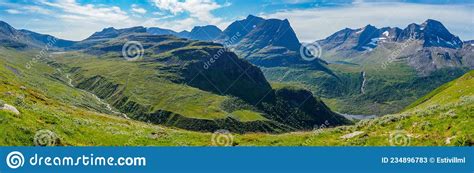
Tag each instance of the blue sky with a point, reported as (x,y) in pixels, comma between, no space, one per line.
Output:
(311,19)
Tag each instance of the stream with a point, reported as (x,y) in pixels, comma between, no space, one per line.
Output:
(362,87)
(107,105)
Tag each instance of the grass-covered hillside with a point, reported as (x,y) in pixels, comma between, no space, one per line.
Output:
(443,117)
(191,85)
(168,86)
(367,89)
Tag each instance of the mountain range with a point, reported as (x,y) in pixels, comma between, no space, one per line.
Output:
(427,47)
(249,79)
(231,94)
(260,67)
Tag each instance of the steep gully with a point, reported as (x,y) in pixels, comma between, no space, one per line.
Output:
(107,105)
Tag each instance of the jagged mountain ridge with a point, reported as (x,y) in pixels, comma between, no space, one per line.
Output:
(432,33)
(426,47)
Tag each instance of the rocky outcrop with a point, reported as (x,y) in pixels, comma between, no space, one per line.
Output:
(9,108)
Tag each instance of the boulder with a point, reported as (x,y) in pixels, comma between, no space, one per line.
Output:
(351,135)
(10,108)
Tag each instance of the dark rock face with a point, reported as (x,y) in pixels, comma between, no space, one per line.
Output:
(367,38)
(241,27)
(271,32)
(266,42)
(230,75)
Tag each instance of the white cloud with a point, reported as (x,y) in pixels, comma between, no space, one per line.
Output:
(137,9)
(36,9)
(318,23)
(90,12)
(13,11)
(16,8)
(81,20)
(199,10)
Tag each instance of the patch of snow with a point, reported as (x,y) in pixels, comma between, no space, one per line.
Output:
(386,33)
(359,31)
(450,43)
(367,48)
(373,42)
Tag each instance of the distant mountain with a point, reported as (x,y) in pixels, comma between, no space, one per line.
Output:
(113,33)
(266,42)
(241,28)
(202,33)
(431,33)
(205,33)
(427,47)
(14,38)
(105,35)
(44,39)
(470,42)
(160,31)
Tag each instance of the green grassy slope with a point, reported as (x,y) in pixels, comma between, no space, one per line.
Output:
(443,117)
(170,86)
(53,81)
(176,83)
(49,103)
(386,90)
